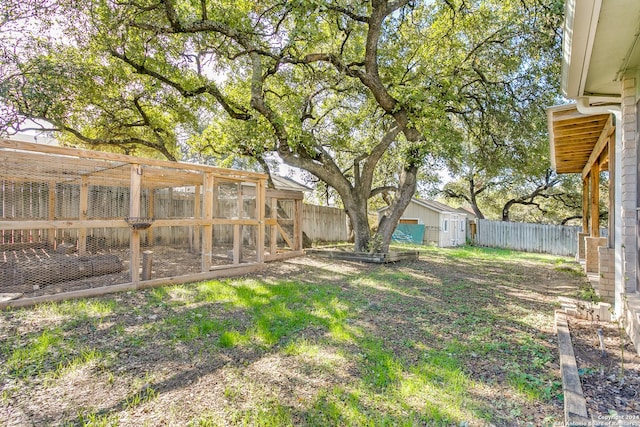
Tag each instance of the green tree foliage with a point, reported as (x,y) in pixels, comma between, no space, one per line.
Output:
(502,159)
(361,94)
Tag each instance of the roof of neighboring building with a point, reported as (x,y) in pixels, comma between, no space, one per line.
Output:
(26,137)
(285,183)
(467,212)
(431,204)
(436,206)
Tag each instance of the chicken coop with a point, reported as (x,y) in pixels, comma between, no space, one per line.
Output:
(78,222)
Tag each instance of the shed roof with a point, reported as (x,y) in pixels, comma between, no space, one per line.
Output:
(430,204)
(467,212)
(286,183)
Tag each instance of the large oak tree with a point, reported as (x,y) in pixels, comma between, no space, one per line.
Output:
(335,87)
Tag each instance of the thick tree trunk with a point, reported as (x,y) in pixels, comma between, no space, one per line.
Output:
(356,210)
(350,234)
(388,223)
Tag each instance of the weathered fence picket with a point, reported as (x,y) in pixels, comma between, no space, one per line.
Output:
(28,201)
(324,223)
(527,237)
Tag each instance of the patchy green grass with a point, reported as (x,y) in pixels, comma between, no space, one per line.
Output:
(460,336)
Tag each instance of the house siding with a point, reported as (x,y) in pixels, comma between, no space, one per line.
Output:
(445,236)
(459,231)
(433,220)
(628,182)
(428,217)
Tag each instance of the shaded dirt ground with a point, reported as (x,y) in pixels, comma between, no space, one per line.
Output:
(491,321)
(611,388)
(167,262)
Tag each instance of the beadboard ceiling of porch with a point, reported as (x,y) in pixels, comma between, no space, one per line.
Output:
(572,137)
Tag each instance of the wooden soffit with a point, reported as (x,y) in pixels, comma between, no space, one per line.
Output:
(577,140)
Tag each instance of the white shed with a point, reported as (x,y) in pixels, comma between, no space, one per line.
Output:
(444,226)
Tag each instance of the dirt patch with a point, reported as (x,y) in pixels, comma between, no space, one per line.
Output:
(610,375)
(167,262)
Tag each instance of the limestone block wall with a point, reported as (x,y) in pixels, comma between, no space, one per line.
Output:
(631,318)
(606,273)
(592,264)
(581,247)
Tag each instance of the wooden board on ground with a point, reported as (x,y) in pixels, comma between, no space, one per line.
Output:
(377,258)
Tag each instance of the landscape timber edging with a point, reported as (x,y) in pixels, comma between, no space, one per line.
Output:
(229,271)
(575,405)
(377,258)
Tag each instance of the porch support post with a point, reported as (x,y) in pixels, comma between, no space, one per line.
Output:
(595,200)
(585,205)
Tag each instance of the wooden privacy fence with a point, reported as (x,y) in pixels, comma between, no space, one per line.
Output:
(541,238)
(31,201)
(324,223)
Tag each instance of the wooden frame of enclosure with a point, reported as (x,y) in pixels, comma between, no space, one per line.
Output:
(583,144)
(57,164)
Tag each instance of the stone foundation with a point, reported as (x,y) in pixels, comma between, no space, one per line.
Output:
(581,246)
(592,265)
(599,311)
(632,318)
(607,274)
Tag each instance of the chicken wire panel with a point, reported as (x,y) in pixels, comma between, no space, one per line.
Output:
(231,239)
(222,249)
(107,202)
(248,205)
(21,237)
(24,200)
(50,201)
(183,237)
(249,246)
(164,203)
(170,252)
(32,183)
(286,224)
(286,209)
(70,220)
(39,268)
(234,200)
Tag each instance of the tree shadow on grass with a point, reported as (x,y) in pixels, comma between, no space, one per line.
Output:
(385,320)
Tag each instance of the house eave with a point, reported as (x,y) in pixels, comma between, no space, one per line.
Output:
(601,46)
(581,21)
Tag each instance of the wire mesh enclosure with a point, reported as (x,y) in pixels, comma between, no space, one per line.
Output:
(75,220)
